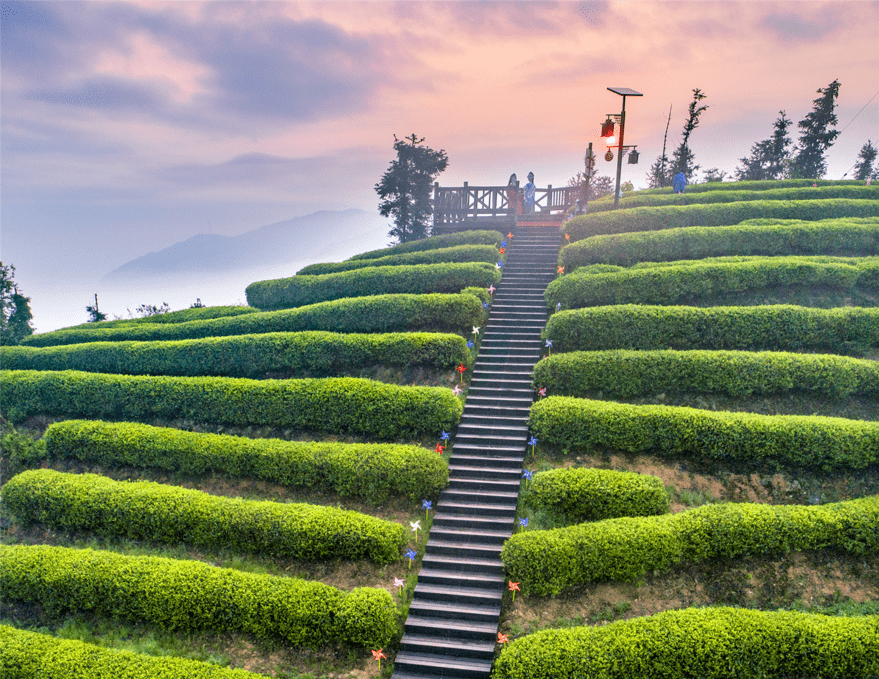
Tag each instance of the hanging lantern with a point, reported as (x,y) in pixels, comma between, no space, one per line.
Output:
(609,155)
(633,157)
(607,128)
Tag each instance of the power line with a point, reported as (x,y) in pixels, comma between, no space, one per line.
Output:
(858,113)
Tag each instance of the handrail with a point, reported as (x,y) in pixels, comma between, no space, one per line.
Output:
(452,205)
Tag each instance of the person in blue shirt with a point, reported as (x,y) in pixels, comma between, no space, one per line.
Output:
(680,181)
(529,194)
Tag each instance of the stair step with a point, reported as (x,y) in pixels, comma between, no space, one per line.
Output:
(463,507)
(477,535)
(419,643)
(495,524)
(479,486)
(482,497)
(418,623)
(433,665)
(488,471)
(439,576)
(480,565)
(467,460)
(451,609)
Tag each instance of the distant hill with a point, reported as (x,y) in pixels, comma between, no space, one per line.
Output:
(323,236)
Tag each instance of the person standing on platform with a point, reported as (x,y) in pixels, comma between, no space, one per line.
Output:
(529,194)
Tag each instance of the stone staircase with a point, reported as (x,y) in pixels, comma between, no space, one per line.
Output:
(453,620)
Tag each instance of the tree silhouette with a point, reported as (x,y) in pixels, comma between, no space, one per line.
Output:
(864,166)
(682,158)
(817,135)
(405,188)
(15,311)
(769,158)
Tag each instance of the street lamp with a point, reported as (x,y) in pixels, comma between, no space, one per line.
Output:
(623,92)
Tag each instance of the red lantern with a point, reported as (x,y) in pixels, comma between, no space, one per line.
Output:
(607,128)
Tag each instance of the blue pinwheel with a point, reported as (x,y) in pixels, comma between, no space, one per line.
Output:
(427,505)
(523,523)
(470,344)
(411,554)
(498,265)
(503,244)
(533,442)
(558,307)
(549,346)
(444,435)
(527,474)
(485,305)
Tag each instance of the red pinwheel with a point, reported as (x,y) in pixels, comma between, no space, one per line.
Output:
(378,655)
(510,234)
(514,587)
(503,638)
(561,269)
(461,368)
(502,250)
(440,448)
(567,236)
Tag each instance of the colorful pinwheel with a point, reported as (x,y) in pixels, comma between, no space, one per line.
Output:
(457,390)
(411,554)
(558,307)
(427,505)
(485,305)
(527,475)
(541,392)
(533,442)
(523,522)
(399,582)
(503,244)
(567,236)
(440,448)
(444,435)
(498,264)
(476,329)
(461,368)
(502,638)
(470,344)
(416,525)
(378,655)
(491,289)
(561,269)
(514,587)
(549,346)
(510,234)
(502,250)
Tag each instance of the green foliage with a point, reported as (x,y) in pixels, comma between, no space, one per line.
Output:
(671,282)
(337,405)
(767,328)
(717,214)
(18,451)
(816,135)
(641,199)
(372,471)
(624,373)
(15,311)
(855,237)
(321,353)
(594,494)
(143,510)
(298,291)
(866,157)
(682,158)
(710,643)
(190,595)
(447,240)
(756,185)
(458,253)
(29,655)
(379,313)
(769,158)
(671,431)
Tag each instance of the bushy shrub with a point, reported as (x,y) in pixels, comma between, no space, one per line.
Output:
(372,471)
(641,199)
(753,185)
(181,316)
(317,352)
(669,283)
(143,510)
(769,328)
(672,431)
(298,291)
(625,373)
(721,214)
(710,643)
(29,655)
(550,561)
(580,494)
(332,404)
(436,242)
(189,595)
(458,253)
(769,238)
(379,313)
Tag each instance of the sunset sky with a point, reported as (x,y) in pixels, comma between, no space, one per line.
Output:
(129,126)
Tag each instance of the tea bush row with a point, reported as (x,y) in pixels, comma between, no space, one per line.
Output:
(721,214)
(298,291)
(315,352)
(375,472)
(373,314)
(754,185)
(640,199)
(190,595)
(579,494)
(668,284)
(143,510)
(181,316)
(625,373)
(551,561)
(770,328)
(710,643)
(672,431)
(337,405)
(458,253)
(435,242)
(847,237)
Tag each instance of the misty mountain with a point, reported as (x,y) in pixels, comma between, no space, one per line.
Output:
(323,236)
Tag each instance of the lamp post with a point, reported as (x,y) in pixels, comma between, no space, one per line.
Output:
(623,92)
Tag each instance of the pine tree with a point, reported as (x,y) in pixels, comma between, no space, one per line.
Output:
(15,311)
(817,135)
(769,157)
(864,166)
(405,188)
(682,158)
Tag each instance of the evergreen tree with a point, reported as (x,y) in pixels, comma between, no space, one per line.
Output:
(405,188)
(95,314)
(658,175)
(770,157)
(817,135)
(864,166)
(682,158)
(15,311)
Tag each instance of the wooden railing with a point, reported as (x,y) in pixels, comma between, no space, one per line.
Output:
(453,205)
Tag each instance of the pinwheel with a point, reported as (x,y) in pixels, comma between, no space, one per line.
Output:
(476,329)
(502,250)
(541,392)
(527,475)
(440,448)
(491,289)
(502,638)
(510,234)
(470,344)
(558,307)
(416,525)
(523,522)
(378,655)
(567,236)
(411,554)
(561,269)
(498,265)
(485,305)
(427,505)
(503,243)
(457,391)
(533,442)
(461,368)
(549,346)
(514,587)
(444,435)
(399,582)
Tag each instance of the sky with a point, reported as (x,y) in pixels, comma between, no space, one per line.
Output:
(130,126)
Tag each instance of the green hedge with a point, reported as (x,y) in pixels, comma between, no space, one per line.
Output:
(848,237)
(625,373)
(320,353)
(375,472)
(753,185)
(28,655)
(300,291)
(190,595)
(379,313)
(669,283)
(724,214)
(578,495)
(435,243)
(332,404)
(672,431)
(181,316)
(709,643)
(769,328)
(640,199)
(143,510)
(458,253)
